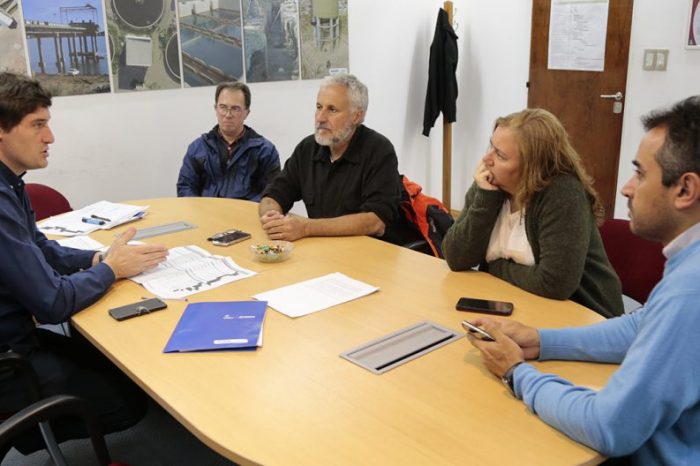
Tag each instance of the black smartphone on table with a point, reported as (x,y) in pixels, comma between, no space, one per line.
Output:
(476,331)
(486,306)
(137,309)
(228,237)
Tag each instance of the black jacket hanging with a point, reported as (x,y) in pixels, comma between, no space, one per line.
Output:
(442,82)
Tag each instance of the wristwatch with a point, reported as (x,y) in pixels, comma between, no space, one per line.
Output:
(507,378)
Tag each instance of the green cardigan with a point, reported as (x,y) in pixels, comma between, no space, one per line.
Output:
(570,260)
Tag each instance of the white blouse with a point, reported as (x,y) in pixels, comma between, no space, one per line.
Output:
(508,238)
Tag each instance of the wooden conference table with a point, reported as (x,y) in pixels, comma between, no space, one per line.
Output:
(295,401)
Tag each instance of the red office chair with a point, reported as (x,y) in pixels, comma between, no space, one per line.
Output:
(638,262)
(46,201)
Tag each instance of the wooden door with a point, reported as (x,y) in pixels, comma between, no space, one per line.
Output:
(574,96)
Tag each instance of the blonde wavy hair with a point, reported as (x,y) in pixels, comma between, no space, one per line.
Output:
(545,152)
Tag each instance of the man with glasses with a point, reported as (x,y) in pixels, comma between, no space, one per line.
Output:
(231,160)
(345,173)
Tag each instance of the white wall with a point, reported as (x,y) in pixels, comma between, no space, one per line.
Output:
(655,25)
(130,145)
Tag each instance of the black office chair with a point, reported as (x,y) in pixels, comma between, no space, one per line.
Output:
(40,412)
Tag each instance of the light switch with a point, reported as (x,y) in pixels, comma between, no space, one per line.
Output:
(649,59)
(661,60)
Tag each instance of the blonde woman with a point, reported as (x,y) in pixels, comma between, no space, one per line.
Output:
(531,216)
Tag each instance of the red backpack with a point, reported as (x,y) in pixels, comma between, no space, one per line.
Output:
(426,213)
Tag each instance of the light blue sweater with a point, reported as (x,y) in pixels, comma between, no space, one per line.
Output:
(650,407)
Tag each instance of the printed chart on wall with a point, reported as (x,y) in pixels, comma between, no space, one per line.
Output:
(66,46)
(12,55)
(143,44)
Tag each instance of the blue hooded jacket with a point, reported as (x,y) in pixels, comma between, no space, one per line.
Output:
(253,164)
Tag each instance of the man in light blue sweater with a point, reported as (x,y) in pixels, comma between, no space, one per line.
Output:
(650,409)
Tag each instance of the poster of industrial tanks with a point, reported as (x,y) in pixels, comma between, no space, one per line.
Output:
(211,42)
(324,37)
(66,46)
(271,33)
(12,55)
(143,44)
(74,46)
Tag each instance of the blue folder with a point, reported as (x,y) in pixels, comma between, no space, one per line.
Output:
(216,326)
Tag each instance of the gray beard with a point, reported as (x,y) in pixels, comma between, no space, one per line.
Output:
(334,140)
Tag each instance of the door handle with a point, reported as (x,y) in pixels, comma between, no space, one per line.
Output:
(617,96)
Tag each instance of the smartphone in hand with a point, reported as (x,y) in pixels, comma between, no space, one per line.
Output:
(476,331)
(501,308)
(229,237)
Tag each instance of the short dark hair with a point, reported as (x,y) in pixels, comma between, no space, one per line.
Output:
(234,86)
(20,96)
(680,152)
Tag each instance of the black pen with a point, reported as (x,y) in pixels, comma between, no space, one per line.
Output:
(100,218)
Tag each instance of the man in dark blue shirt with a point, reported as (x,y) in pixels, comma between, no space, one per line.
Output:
(43,282)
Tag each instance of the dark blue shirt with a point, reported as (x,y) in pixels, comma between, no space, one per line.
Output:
(39,279)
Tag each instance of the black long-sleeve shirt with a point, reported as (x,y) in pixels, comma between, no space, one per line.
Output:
(364,179)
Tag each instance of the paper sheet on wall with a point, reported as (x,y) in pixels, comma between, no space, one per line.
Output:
(315,295)
(577,30)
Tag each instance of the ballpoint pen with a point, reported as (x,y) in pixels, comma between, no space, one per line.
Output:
(104,219)
(93,221)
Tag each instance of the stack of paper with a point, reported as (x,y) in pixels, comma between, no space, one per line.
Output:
(215,326)
(189,270)
(101,215)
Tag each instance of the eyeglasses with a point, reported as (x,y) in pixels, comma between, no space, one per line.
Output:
(224,110)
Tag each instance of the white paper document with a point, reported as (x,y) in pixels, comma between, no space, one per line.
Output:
(88,244)
(100,215)
(315,295)
(577,31)
(189,270)
(82,242)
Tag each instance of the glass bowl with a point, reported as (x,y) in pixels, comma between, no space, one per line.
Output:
(271,251)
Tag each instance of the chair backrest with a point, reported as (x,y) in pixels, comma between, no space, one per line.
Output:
(46,201)
(40,411)
(48,409)
(638,262)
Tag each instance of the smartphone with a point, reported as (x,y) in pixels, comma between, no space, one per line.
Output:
(476,331)
(501,308)
(228,237)
(137,309)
